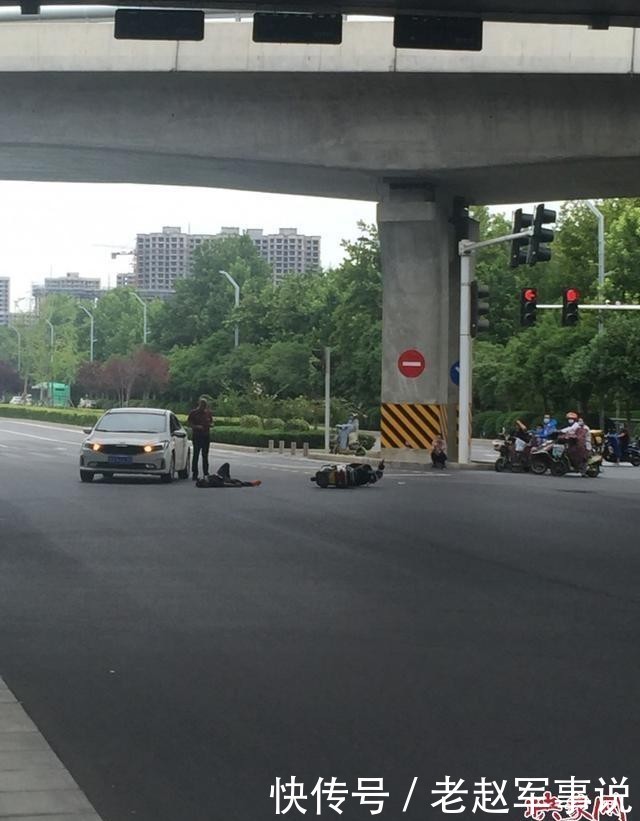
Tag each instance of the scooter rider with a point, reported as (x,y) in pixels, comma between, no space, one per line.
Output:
(575,435)
(549,426)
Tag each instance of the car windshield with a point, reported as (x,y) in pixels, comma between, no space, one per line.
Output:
(132,423)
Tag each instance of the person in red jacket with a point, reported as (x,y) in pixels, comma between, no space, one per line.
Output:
(200,420)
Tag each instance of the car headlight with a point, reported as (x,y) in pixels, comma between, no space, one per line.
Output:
(155,448)
(91,445)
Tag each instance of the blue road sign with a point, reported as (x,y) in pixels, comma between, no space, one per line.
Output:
(454,373)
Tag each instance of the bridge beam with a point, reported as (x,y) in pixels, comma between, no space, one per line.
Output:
(419,232)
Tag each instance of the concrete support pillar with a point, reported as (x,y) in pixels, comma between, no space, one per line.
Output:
(419,229)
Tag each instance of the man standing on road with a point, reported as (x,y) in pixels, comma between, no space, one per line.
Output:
(200,420)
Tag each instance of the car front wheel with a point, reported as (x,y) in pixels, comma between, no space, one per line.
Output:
(86,476)
(171,475)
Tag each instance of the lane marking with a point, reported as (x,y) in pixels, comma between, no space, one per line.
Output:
(61,428)
(33,436)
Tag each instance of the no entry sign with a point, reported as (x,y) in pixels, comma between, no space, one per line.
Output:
(411,363)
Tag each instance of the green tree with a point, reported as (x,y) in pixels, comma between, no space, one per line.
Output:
(357,320)
(204,302)
(118,323)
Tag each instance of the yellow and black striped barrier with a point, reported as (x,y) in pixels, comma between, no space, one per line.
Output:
(412,424)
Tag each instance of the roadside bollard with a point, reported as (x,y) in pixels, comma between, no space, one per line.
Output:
(305,449)
(293,448)
(271,445)
(281,446)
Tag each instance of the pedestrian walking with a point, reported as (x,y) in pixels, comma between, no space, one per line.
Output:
(200,420)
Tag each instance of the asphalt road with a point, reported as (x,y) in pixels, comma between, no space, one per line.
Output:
(181,649)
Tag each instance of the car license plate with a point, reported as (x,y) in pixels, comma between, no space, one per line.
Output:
(120,460)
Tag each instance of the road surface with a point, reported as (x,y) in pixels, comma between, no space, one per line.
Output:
(181,649)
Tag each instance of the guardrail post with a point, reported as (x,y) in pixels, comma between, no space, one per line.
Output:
(305,448)
(281,446)
(271,444)
(293,448)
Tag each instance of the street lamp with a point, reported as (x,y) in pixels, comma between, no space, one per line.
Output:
(144,317)
(17,333)
(51,328)
(90,315)
(236,289)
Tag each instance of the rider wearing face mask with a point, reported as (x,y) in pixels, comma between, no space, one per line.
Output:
(575,435)
(549,426)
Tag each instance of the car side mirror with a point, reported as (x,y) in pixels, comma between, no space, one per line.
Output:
(181,434)
(87,430)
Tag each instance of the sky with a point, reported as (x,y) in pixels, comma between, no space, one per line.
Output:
(50,229)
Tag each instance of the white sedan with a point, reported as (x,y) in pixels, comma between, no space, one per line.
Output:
(136,440)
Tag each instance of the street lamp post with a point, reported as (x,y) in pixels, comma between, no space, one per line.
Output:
(600,217)
(91,320)
(144,317)
(236,289)
(17,333)
(53,334)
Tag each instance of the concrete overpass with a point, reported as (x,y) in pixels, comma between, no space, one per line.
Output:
(543,112)
(588,12)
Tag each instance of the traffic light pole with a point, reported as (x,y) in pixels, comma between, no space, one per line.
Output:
(467,266)
(467,250)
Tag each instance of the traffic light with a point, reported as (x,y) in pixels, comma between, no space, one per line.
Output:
(570,306)
(537,251)
(528,307)
(519,247)
(532,249)
(479,309)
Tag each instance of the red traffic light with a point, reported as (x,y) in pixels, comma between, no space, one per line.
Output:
(530,294)
(572,294)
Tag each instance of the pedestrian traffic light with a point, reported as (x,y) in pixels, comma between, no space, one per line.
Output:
(570,306)
(479,309)
(537,252)
(528,307)
(519,247)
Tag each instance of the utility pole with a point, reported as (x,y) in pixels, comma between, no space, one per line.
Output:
(327,397)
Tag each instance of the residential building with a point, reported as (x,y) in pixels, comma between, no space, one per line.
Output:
(164,257)
(287,252)
(4,300)
(128,280)
(72,285)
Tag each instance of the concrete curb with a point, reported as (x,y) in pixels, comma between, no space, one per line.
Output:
(342,458)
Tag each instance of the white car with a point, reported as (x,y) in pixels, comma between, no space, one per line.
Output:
(137,441)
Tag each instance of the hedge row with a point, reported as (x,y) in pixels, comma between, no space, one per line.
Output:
(65,416)
(228,435)
(259,438)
